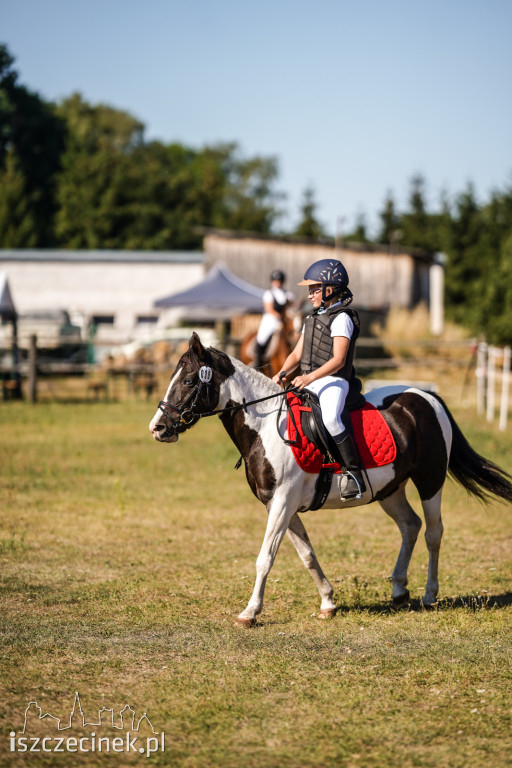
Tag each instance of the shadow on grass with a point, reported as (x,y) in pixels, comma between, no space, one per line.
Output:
(471,602)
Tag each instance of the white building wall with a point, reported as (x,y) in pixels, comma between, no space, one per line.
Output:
(123,284)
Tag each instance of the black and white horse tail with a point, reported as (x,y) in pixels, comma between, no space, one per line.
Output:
(479,476)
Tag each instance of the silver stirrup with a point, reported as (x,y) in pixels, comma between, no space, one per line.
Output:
(346,475)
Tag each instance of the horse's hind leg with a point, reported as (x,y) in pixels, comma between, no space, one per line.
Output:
(409,524)
(300,539)
(433,536)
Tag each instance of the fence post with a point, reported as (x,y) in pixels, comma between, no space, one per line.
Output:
(505,384)
(32,370)
(481,364)
(491,382)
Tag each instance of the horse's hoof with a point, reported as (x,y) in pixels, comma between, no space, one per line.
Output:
(243,622)
(327,613)
(429,606)
(401,600)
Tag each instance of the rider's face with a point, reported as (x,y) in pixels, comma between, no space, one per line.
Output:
(315,294)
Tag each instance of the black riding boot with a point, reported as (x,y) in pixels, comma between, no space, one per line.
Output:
(352,485)
(259,350)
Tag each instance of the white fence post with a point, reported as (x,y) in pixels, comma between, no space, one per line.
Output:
(491,382)
(505,385)
(481,368)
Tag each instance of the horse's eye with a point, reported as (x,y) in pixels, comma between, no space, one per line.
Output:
(188,382)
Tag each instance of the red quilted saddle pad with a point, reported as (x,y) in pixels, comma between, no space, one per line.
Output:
(374,440)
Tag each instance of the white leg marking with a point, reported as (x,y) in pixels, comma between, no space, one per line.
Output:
(297,534)
(433,536)
(409,524)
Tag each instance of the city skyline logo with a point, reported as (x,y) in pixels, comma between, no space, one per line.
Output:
(31,713)
(135,731)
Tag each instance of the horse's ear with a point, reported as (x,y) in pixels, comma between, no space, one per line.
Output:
(195,346)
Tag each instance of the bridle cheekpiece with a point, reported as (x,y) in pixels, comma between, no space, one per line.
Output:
(187,413)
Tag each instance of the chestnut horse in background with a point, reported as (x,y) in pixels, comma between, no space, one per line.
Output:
(279,347)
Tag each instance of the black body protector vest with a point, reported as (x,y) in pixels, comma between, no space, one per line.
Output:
(277,306)
(317,349)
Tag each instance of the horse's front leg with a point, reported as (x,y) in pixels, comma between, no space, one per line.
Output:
(300,539)
(277,524)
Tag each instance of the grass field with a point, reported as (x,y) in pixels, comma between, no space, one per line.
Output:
(124,563)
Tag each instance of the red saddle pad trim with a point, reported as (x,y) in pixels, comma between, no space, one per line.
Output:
(373,437)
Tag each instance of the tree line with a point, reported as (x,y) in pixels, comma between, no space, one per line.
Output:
(80,176)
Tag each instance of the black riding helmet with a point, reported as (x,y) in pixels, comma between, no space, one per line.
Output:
(278,275)
(329,272)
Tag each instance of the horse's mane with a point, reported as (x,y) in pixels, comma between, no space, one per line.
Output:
(227,366)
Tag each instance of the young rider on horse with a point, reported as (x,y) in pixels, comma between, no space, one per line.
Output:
(275,301)
(325,353)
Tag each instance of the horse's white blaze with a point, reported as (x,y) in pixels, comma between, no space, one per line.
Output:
(158,418)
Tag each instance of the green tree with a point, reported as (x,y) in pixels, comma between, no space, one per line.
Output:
(18,228)
(390,221)
(115,191)
(94,184)
(492,313)
(416,223)
(309,226)
(250,201)
(464,264)
(31,141)
(360,232)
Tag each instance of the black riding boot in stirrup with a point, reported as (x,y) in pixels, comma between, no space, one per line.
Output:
(352,485)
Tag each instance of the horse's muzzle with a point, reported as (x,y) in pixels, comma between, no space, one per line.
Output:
(163,434)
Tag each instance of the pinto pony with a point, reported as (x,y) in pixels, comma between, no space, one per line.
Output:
(428,445)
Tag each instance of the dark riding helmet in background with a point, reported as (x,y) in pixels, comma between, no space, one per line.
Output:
(329,272)
(278,275)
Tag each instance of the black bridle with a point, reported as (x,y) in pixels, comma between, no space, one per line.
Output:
(189,416)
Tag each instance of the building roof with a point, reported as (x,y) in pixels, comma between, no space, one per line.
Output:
(103,256)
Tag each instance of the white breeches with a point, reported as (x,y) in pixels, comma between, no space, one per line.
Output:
(269,324)
(332,393)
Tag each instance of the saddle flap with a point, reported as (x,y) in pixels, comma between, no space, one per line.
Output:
(312,422)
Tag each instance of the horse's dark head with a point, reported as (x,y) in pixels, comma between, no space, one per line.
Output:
(193,390)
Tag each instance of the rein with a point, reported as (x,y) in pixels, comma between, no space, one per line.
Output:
(188,417)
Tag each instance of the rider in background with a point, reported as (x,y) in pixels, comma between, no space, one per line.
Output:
(325,353)
(276,299)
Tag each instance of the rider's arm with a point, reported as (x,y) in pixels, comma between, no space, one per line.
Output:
(340,349)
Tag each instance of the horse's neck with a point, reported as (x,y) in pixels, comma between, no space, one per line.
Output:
(245,384)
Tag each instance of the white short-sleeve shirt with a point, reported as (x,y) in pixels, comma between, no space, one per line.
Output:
(281,295)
